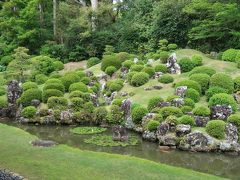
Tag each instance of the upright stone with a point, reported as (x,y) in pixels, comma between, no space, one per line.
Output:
(119,133)
(126,107)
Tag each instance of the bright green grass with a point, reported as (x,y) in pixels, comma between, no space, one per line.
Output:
(66,163)
(87,130)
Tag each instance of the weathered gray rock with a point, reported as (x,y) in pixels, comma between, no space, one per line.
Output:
(168,140)
(157,75)
(229,146)
(43,143)
(177,102)
(89,73)
(182,130)
(148,89)
(126,107)
(157,87)
(163,104)
(181,90)
(119,133)
(172,64)
(23,120)
(201,121)
(50,119)
(149,136)
(94,99)
(124,94)
(7,175)
(221,112)
(66,117)
(231,133)
(35,103)
(138,129)
(162,129)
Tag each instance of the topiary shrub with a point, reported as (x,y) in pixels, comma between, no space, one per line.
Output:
(153,102)
(230,55)
(86,80)
(69,79)
(166,78)
(171,110)
(164,56)
(29,95)
(139,79)
(138,113)
(236,84)
(79,86)
(186,119)
(55,75)
(190,84)
(57,102)
(201,111)
(123,56)
(216,128)
(203,70)
(202,79)
(130,75)
(116,115)
(186,64)
(93,61)
(53,81)
(110,60)
(3,102)
(58,65)
(223,81)
(214,90)
(117,102)
(115,87)
(29,112)
(186,109)
(29,85)
(59,87)
(234,119)
(223,99)
(149,70)
(192,94)
(50,93)
(197,60)
(161,68)
(137,68)
(172,47)
(110,70)
(152,125)
(189,102)
(127,64)
(77,103)
(172,120)
(81,74)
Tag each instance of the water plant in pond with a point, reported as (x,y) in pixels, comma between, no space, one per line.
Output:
(105,140)
(88,130)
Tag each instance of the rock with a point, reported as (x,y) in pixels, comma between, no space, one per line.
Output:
(3,112)
(163,104)
(23,120)
(182,130)
(50,119)
(213,55)
(138,129)
(123,94)
(158,87)
(228,146)
(7,175)
(162,129)
(126,107)
(164,148)
(168,140)
(43,143)
(146,118)
(197,141)
(35,103)
(149,136)
(119,133)
(157,75)
(201,121)
(177,102)
(180,91)
(66,117)
(94,99)
(147,89)
(89,73)
(231,133)
(221,112)
(237,97)
(172,64)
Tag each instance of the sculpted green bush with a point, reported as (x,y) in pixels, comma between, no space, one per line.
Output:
(93,61)
(153,125)
(139,79)
(153,102)
(161,68)
(192,94)
(110,70)
(236,84)
(197,60)
(166,79)
(53,81)
(110,60)
(216,128)
(201,111)
(214,90)
(58,86)
(127,64)
(79,86)
(230,55)
(137,67)
(202,79)
(50,93)
(29,95)
(3,102)
(116,115)
(100,115)
(149,70)
(172,47)
(76,103)
(130,75)
(69,79)
(223,81)
(234,119)
(170,110)
(203,70)
(189,102)
(190,84)
(29,112)
(163,56)
(186,64)
(58,65)
(29,85)
(138,113)
(186,109)
(57,102)
(86,80)
(186,119)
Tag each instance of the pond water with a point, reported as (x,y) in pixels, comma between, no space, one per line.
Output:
(212,163)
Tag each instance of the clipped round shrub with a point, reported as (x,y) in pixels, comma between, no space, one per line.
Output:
(130,75)
(137,67)
(186,109)
(236,84)
(84,96)
(172,97)
(86,80)
(50,93)
(29,112)
(149,70)
(166,78)
(53,81)
(230,55)
(127,64)
(153,102)
(171,110)
(139,79)
(190,84)
(3,102)
(234,119)
(110,60)
(110,70)
(189,102)
(115,87)
(214,90)
(192,94)
(81,74)
(123,56)
(216,128)
(152,125)
(58,65)
(186,64)
(29,85)
(163,55)
(57,102)
(93,61)
(172,47)
(69,79)
(197,60)
(201,111)
(186,119)
(77,103)
(203,70)
(29,95)
(202,79)
(79,86)
(58,86)
(223,99)
(161,68)
(41,78)
(55,75)
(116,115)
(117,102)
(171,120)
(138,113)
(223,81)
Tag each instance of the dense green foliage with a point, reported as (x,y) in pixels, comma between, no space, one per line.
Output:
(29,112)
(152,125)
(87,130)
(166,78)
(223,81)
(139,79)
(30,95)
(216,128)
(138,113)
(186,119)
(201,111)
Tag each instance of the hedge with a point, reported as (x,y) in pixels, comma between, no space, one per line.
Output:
(153,102)
(57,86)
(166,79)
(149,70)
(57,102)
(186,119)
(170,110)
(152,125)
(214,90)
(202,79)
(110,70)
(192,94)
(29,85)
(230,55)
(50,93)
(161,68)
(110,60)
(186,64)
(138,113)
(201,111)
(203,70)
(69,79)
(93,61)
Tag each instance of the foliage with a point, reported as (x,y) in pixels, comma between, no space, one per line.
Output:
(152,125)
(163,56)
(202,79)
(69,79)
(223,81)
(153,102)
(77,103)
(192,94)
(86,80)
(189,102)
(79,86)
(58,65)
(130,75)
(3,102)
(236,84)
(166,78)
(110,70)
(171,110)
(214,90)
(58,86)
(93,61)
(116,115)
(100,115)
(29,85)
(29,95)
(137,67)
(161,68)
(203,70)
(216,128)
(138,113)
(149,70)
(88,130)
(139,79)
(57,102)
(186,109)
(29,112)
(40,78)
(230,55)
(127,64)
(50,93)
(110,60)
(186,119)
(186,64)
(234,119)
(201,111)
(190,84)
(197,60)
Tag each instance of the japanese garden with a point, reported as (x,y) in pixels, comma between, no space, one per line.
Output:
(119,89)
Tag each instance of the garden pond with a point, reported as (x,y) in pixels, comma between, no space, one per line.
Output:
(213,163)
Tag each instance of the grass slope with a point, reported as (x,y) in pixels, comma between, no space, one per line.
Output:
(64,162)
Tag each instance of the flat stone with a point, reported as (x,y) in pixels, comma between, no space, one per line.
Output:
(43,143)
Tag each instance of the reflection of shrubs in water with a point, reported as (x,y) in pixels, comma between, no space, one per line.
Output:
(108,141)
(88,130)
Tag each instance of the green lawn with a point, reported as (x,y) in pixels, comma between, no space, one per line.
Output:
(64,162)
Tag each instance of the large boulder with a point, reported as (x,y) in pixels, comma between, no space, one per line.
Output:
(182,130)
(150,136)
(181,91)
(177,102)
(168,140)
(201,121)
(231,133)
(35,103)
(162,129)
(126,107)
(47,120)
(66,117)
(221,112)
(119,133)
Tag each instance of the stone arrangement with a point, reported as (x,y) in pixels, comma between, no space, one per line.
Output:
(172,64)
(221,112)
(119,133)
(7,175)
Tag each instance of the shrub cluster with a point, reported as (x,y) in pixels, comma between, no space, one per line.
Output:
(161,68)
(216,128)
(77,103)
(203,70)
(40,78)
(153,125)
(186,64)
(230,55)
(58,65)
(29,85)
(214,90)
(192,94)
(3,102)
(190,84)
(110,60)
(166,78)
(57,102)
(197,60)
(201,111)
(69,79)
(139,79)
(149,70)
(236,84)
(234,119)
(29,95)
(127,64)
(163,55)
(138,113)
(202,79)
(186,119)
(79,86)
(29,112)
(223,81)
(137,67)
(93,61)
(58,86)
(153,102)
(110,70)
(171,110)
(50,93)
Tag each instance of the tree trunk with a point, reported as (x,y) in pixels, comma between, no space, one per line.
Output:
(54,18)
(94,4)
